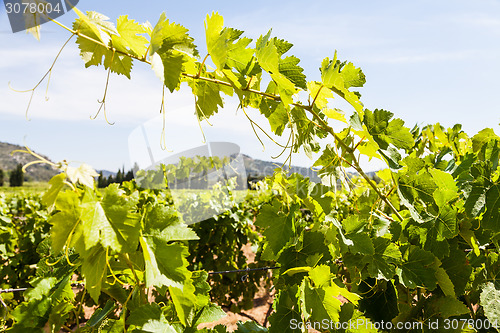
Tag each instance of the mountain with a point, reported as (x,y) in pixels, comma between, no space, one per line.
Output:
(257,168)
(36,172)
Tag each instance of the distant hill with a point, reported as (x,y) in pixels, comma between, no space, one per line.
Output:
(36,172)
(43,172)
(256,168)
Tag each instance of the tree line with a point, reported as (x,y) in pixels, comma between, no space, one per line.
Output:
(119,178)
(16,176)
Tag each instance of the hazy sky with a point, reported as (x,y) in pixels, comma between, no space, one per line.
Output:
(425,61)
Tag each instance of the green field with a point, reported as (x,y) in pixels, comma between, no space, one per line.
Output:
(28,187)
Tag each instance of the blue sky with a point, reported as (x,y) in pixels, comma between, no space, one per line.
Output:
(425,61)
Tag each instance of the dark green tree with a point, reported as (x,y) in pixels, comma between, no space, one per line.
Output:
(119,176)
(129,176)
(1,177)
(17,176)
(101,181)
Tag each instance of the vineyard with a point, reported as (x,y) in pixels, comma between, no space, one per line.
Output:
(414,249)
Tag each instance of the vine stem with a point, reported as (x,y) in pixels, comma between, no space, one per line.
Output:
(277,98)
(355,164)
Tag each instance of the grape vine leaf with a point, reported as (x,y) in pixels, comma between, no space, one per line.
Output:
(491,217)
(340,79)
(457,269)
(163,222)
(417,269)
(278,228)
(93,269)
(129,38)
(173,46)
(208,98)
(217,39)
(140,315)
(319,95)
(386,131)
(84,174)
(286,310)
(166,264)
(382,264)
(56,184)
(67,221)
(319,303)
(111,221)
(490,301)
(269,59)
(184,302)
(447,306)
(94,26)
(290,68)
(482,137)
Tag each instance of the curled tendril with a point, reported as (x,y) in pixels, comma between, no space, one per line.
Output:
(111,271)
(48,73)
(102,102)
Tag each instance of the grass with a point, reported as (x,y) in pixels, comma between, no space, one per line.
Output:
(28,187)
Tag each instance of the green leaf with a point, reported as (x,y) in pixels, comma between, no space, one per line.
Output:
(166,264)
(443,279)
(446,188)
(483,137)
(217,39)
(267,53)
(286,310)
(339,78)
(490,301)
(56,184)
(208,99)
(66,222)
(290,68)
(173,46)
(84,175)
(295,270)
(93,269)
(320,276)
(382,265)
(457,269)
(353,77)
(141,315)
(129,38)
(278,228)
(208,314)
(380,301)
(386,131)
(417,270)
(95,26)
(163,222)
(158,326)
(361,243)
(110,222)
(184,302)
(491,217)
(101,314)
(447,306)
(319,303)
(119,63)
